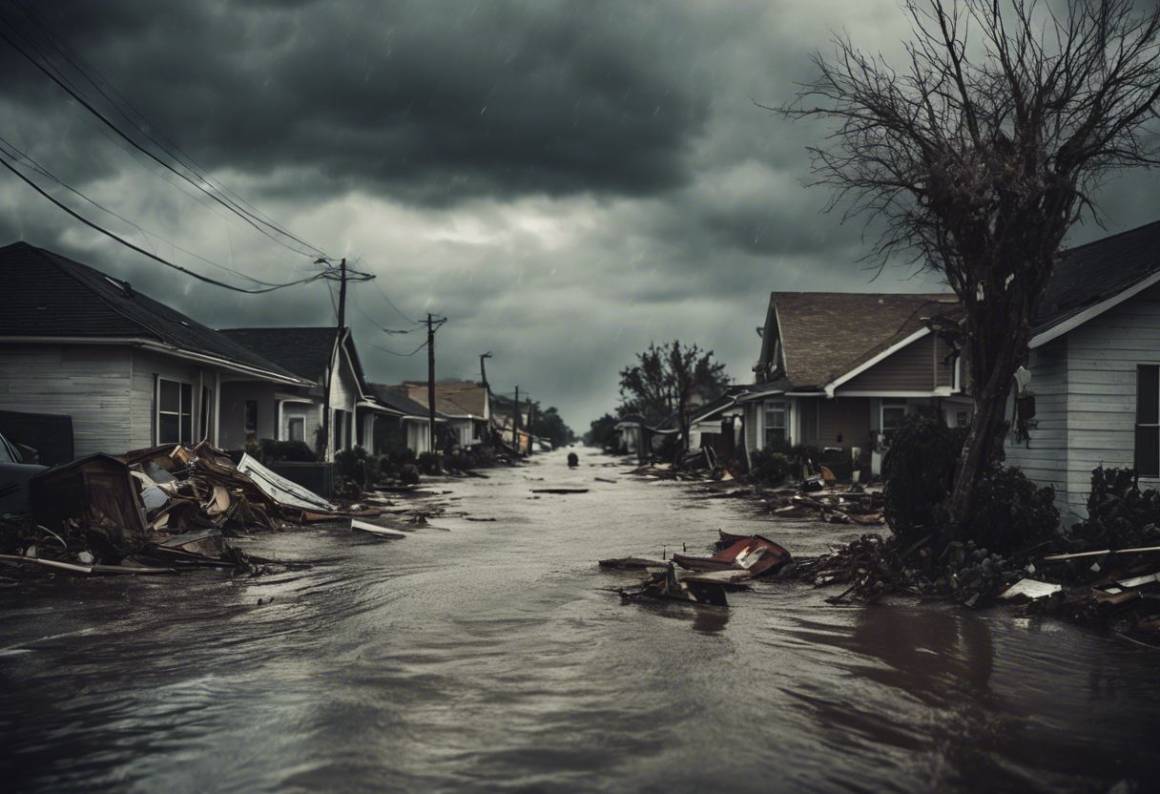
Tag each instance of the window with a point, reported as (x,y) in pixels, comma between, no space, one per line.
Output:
(251,425)
(174,412)
(1148,420)
(962,419)
(775,426)
(893,414)
(297,428)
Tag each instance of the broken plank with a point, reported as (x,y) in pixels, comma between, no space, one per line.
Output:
(375,529)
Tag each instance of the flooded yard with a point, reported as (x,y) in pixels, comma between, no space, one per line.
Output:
(487,657)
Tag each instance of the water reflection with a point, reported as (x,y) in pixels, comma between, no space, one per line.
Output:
(704,620)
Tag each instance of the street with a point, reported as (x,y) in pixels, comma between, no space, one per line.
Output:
(485,655)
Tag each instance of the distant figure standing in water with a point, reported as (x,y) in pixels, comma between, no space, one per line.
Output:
(573,460)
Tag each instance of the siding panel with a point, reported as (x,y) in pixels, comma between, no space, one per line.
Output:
(88,383)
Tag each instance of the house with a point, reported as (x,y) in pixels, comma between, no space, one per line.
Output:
(405,423)
(130,371)
(838,371)
(259,410)
(1093,397)
(465,404)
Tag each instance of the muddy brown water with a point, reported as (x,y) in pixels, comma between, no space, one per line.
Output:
(487,658)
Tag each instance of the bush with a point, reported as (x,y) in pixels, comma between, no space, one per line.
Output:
(356,466)
(1011,512)
(296,451)
(430,463)
(1120,515)
(768,468)
(409,474)
(919,469)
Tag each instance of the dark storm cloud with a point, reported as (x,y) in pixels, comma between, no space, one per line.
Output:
(427,100)
(567,181)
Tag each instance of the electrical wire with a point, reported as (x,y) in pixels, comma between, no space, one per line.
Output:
(132,246)
(397,353)
(14,153)
(254,220)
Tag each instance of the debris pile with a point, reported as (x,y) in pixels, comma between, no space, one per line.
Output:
(703,580)
(855,506)
(154,510)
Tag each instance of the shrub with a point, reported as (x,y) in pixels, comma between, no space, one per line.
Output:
(1120,515)
(1011,512)
(409,474)
(356,466)
(430,463)
(768,468)
(296,451)
(919,469)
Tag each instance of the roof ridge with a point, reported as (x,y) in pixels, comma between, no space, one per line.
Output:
(1101,240)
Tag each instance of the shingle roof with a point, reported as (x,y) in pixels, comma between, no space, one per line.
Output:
(1088,274)
(49,295)
(453,398)
(396,397)
(305,351)
(826,334)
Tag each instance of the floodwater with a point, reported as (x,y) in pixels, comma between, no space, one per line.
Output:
(488,658)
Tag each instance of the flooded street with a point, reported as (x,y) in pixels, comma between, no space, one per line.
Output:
(487,657)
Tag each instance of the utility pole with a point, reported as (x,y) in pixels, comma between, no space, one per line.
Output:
(531,426)
(342,276)
(431,377)
(483,368)
(516,422)
(486,396)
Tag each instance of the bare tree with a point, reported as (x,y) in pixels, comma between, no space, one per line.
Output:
(981,152)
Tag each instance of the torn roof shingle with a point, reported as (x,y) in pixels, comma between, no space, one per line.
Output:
(49,295)
(826,334)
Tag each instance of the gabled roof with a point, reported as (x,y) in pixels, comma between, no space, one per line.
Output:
(303,351)
(825,335)
(1091,278)
(395,398)
(455,398)
(48,295)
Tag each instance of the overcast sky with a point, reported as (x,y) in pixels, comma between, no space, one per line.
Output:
(565,181)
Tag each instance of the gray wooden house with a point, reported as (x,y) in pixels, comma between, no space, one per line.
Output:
(839,371)
(1093,397)
(267,411)
(130,371)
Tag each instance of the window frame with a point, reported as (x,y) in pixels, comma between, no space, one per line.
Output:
(291,421)
(891,403)
(775,407)
(1151,427)
(184,412)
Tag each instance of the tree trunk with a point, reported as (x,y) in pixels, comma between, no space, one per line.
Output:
(985,437)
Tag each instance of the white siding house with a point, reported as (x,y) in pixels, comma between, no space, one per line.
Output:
(128,370)
(1085,382)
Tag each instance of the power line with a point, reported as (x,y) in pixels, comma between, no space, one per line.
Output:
(262,226)
(142,125)
(14,153)
(97,227)
(397,353)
